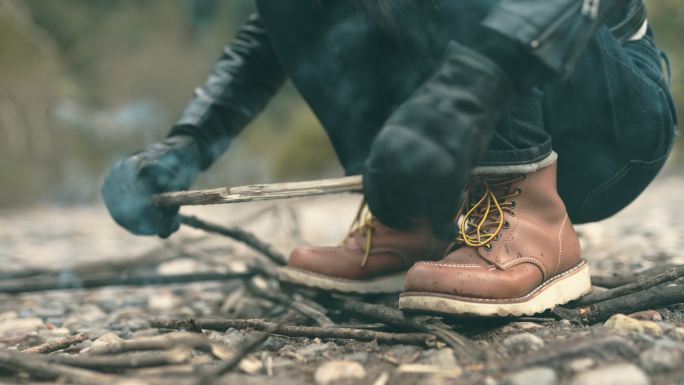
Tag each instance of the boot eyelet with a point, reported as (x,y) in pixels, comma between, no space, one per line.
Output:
(488,247)
(506,225)
(513,204)
(497,237)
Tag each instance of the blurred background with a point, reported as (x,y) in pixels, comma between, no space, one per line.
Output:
(84,83)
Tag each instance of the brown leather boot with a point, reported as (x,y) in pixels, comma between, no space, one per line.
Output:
(517,252)
(373,258)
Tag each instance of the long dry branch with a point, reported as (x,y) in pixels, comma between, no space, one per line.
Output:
(112,363)
(260,192)
(101,280)
(58,344)
(421,339)
(641,283)
(165,342)
(237,234)
(664,294)
(38,367)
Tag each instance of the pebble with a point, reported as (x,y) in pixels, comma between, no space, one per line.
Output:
(665,356)
(581,364)
(333,371)
(628,324)
(439,357)
(521,326)
(647,315)
(677,333)
(616,374)
(531,376)
(522,343)
(12,328)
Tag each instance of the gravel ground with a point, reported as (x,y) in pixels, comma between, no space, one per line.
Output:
(647,348)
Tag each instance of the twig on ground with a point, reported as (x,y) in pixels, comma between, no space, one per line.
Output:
(641,283)
(102,280)
(58,344)
(38,367)
(109,363)
(463,346)
(606,347)
(237,234)
(211,376)
(614,280)
(664,294)
(306,307)
(165,342)
(421,339)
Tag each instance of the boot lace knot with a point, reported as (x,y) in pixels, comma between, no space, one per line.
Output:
(481,216)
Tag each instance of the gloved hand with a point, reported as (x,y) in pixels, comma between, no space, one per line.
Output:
(422,158)
(170,165)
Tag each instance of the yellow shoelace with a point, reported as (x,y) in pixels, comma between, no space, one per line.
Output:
(363,222)
(481,216)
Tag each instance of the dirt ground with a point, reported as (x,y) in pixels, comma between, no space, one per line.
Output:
(647,348)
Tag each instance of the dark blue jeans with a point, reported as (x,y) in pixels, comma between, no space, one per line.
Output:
(612,124)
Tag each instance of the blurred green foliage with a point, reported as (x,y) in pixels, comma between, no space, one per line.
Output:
(86,82)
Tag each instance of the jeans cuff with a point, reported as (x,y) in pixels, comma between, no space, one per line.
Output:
(519,168)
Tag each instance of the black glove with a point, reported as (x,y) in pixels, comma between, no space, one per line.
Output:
(421,160)
(170,165)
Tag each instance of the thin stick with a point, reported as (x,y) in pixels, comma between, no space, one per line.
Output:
(39,367)
(665,294)
(614,280)
(88,282)
(420,339)
(304,306)
(605,347)
(239,235)
(165,342)
(641,283)
(125,361)
(211,376)
(58,344)
(466,348)
(260,192)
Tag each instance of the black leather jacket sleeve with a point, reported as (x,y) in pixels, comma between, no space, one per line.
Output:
(241,83)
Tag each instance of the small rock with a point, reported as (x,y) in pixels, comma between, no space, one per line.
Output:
(107,339)
(521,326)
(628,324)
(532,376)
(617,374)
(565,323)
(163,301)
(440,357)
(433,370)
(314,350)
(522,343)
(677,333)
(581,364)
(251,365)
(647,315)
(178,266)
(12,328)
(665,356)
(338,370)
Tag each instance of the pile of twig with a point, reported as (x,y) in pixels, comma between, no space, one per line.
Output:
(649,290)
(303,313)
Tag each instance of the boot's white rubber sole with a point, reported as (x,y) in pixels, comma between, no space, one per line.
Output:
(392,283)
(558,290)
